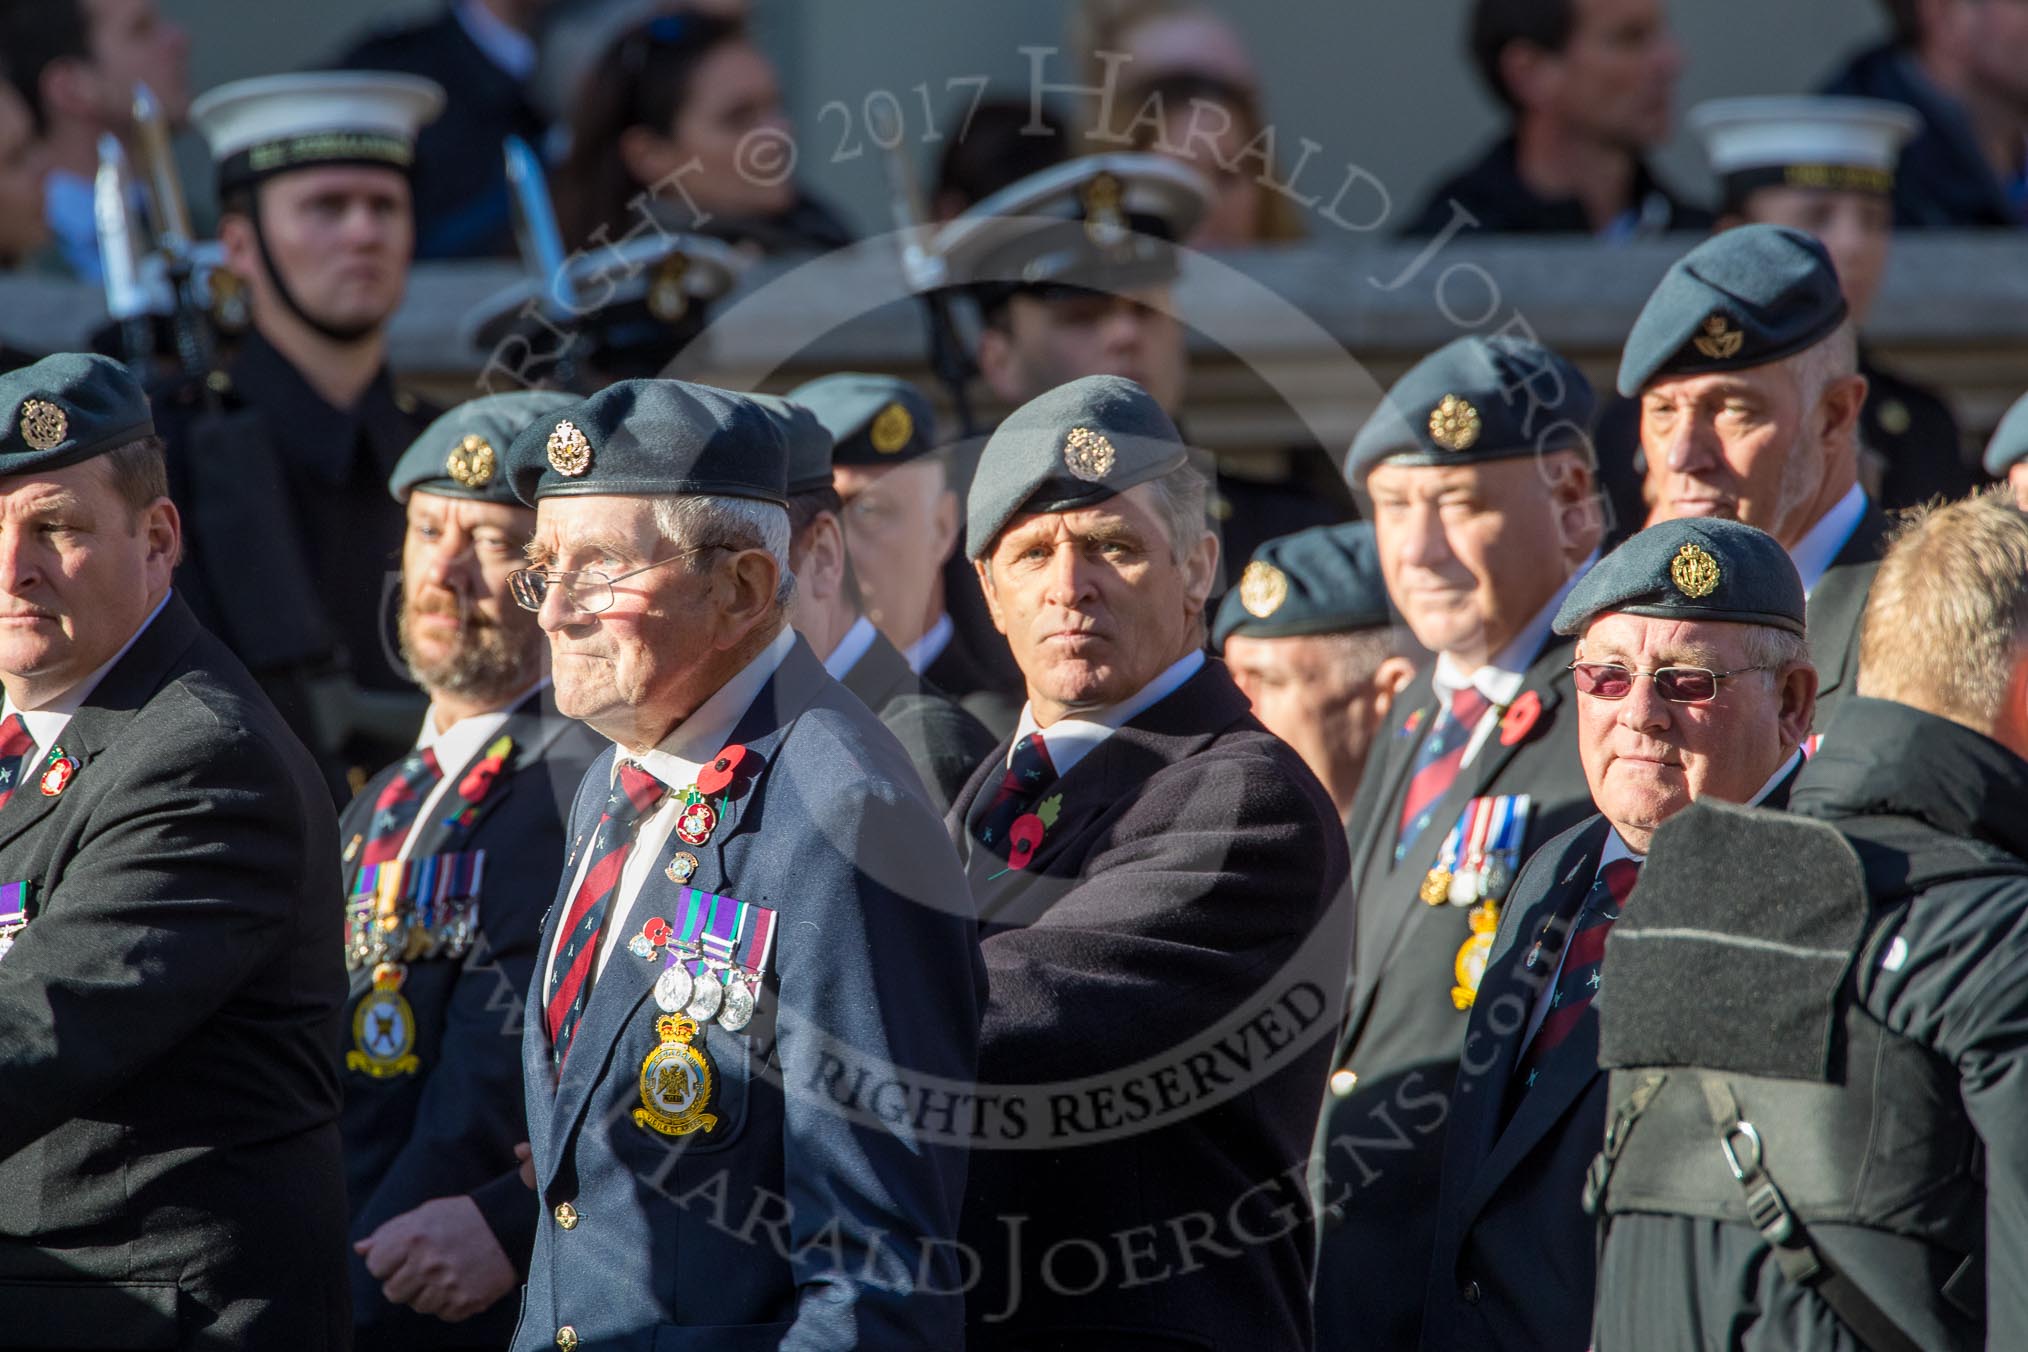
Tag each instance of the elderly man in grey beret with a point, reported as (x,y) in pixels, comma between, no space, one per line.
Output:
(1692,682)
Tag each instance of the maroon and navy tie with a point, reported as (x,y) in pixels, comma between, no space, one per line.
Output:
(395,809)
(635,794)
(1577,983)
(1029,773)
(15,744)
(1437,764)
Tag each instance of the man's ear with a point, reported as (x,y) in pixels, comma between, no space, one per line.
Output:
(744,595)
(1580,507)
(1529,72)
(944,521)
(1799,704)
(985,574)
(1837,413)
(1390,678)
(1200,571)
(242,251)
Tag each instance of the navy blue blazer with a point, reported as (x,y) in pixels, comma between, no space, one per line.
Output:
(451,1125)
(818,1211)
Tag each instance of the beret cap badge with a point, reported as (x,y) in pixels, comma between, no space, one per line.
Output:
(1087,454)
(1720,340)
(472,461)
(1695,573)
(668,300)
(1262,589)
(891,429)
(1454,424)
(569,452)
(43,424)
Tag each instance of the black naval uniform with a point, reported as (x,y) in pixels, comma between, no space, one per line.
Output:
(1381,1136)
(945,742)
(1938,817)
(291,546)
(1492,191)
(169,1160)
(447,1122)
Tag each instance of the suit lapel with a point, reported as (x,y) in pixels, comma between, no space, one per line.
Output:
(1173,728)
(131,683)
(627,980)
(1418,704)
(1488,1152)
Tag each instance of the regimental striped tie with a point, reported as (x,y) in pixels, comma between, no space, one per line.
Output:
(635,794)
(15,744)
(394,810)
(1437,764)
(1029,773)
(1577,983)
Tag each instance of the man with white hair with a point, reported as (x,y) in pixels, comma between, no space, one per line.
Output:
(1746,369)
(760,943)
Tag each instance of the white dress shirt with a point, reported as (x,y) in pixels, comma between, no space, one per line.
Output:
(1071,739)
(688,748)
(1815,551)
(456,747)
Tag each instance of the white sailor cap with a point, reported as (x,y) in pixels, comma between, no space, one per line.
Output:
(1803,141)
(1100,222)
(268,125)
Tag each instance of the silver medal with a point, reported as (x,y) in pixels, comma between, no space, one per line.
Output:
(705,997)
(738,1005)
(672,989)
(1464,887)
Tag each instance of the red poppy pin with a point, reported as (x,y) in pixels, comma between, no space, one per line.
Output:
(1520,717)
(1024,836)
(729,767)
(479,779)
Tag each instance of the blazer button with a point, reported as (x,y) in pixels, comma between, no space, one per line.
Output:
(1343,1082)
(1471,1293)
(566,1339)
(566,1216)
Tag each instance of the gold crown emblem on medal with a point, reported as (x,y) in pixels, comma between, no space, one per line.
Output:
(43,424)
(891,429)
(668,300)
(471,462)
(1088,455)
(1262,589)
(1454,423)
(1694,572)
(1720,340)
(569,452)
